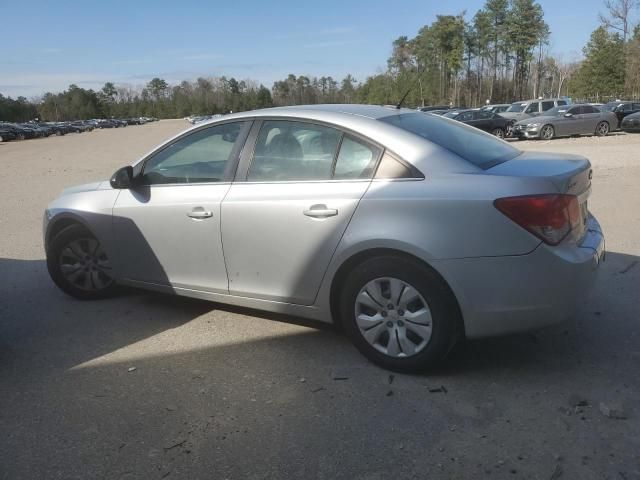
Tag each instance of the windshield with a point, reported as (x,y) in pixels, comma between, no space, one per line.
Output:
(516,107)
(473,145)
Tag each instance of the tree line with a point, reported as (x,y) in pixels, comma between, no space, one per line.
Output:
(500,54)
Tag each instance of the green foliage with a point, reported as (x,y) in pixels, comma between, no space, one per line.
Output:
(603,69)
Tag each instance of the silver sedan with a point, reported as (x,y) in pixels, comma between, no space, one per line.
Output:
(411,231)
(565,121)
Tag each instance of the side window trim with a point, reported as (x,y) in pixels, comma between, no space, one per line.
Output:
(231,165)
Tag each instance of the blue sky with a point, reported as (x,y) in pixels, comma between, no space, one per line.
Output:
(50,44)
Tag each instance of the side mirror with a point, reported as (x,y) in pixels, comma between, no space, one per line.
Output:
(568,115)
(123,178)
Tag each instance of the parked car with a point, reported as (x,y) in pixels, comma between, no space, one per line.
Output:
(530,108)
(631,123)
(20,132)
(565,121)
(321,212)
(622,109)
(482,119)
(497,108)
(7,134)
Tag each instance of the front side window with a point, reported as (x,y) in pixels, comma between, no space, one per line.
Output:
(533,108)
(547,105)
(290,151)
(574,111)
(200,157)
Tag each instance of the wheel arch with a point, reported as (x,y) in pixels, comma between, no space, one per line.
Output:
(361,256)
(62,221)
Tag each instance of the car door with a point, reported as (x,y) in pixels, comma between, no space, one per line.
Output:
(590,119)
(168,227)
(484,120)
(294,195)
(568,125)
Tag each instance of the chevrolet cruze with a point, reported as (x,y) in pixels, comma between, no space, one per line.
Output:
(409,230)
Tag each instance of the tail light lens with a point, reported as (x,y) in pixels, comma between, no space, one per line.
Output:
(549,217)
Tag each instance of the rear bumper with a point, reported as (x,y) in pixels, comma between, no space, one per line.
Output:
(501,295)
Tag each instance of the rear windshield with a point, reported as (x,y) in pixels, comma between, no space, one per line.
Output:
(475,146)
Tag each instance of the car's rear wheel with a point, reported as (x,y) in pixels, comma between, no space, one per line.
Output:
(498,132)
(398,313)
(602,130)
(547,132)
(78,264)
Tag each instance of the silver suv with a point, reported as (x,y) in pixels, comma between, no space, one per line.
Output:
(530,108)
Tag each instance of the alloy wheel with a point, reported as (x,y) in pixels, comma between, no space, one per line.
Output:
(603,129)
(393,317)
(85,265)
(547,132)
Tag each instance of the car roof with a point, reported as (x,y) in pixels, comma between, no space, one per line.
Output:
(369,111)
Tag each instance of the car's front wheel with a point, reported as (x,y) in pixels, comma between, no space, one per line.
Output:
(78,264)
(602,130)
(547,132)
(398,313)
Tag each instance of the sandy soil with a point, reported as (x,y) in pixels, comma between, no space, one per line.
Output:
(146,386)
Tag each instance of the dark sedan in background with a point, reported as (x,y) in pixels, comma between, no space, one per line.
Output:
(631,123)
(483,120)
(622,109)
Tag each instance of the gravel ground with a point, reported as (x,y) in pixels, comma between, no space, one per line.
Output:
(147,386)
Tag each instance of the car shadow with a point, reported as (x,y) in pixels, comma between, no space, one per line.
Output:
(147,385)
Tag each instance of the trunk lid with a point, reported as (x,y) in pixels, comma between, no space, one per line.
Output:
(570,174)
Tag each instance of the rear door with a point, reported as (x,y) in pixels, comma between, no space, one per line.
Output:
(294,195)
(590,119)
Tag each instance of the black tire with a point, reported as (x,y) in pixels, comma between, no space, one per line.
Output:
(445,315)
(55,257)
(602,130)
(498,132)
(547,132)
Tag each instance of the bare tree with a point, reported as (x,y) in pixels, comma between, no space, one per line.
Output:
(565,68)
(618,15)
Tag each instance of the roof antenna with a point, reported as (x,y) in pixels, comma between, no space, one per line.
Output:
(399,105)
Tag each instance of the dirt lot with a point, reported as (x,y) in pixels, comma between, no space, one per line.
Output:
(145,386)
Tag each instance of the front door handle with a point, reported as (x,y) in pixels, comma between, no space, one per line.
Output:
(320,211)
(200,213)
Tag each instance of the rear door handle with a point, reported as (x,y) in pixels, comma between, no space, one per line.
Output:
(320,211)
(200,212)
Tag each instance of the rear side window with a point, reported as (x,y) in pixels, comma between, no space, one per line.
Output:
(356,160)
(288,151)
(469,143)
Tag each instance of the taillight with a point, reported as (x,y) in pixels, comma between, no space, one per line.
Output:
(548,217)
